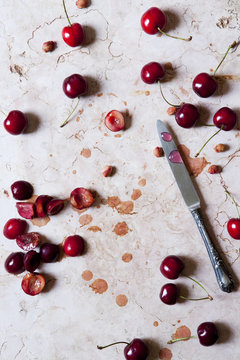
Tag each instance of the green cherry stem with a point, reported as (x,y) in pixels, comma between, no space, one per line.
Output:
(115,343)
(208,141)
(230,47)
(234,202)
(3,112)
(66,121)
(64,6)
(174,37)
(204,298)
(198,283)
(160,86)
(181,339)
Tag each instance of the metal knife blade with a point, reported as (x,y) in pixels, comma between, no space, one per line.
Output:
(192,201)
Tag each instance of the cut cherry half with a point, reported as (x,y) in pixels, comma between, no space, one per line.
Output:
(41,205)
(31,260)
(114,121)
(26,210)
(28,241)
(33,284)
(81,198)
(21,190)
(54,206)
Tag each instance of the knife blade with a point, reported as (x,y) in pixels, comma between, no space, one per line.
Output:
(192,200)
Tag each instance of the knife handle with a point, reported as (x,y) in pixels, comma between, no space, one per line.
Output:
(224,278)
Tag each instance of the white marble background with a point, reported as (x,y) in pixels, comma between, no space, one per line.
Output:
(68,320)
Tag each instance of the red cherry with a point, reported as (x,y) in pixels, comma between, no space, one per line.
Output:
(28,241)
(54,206)
(26,210)
(75,85)
(233,228)
(21,190)
(33,284)
(136,350)
(81,198)
(152,72)
(73,245)
(73,35)
(207,333)
(14,228)
(14,263)
(153,19)
(169,294)
(41,205)
(114,121)
(225,118)
(171,267)
(16,122)
(204,85)
(31,260)
(187,115)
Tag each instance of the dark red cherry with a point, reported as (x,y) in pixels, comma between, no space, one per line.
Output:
(226,118)
(74,86)
(73,245)
(14,263)
(41,204)
(153,19)
(171,267)
(233,228)
(187,115)
(152,72)
(169,294)
(21,190)
(136,350)
(33,284)
(31,260)
(54,206)
(14,227)
(207,333)
(73,35)
(49,253)
(204,85)
(16,122)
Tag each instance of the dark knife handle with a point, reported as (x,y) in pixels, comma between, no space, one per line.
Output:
(224,278)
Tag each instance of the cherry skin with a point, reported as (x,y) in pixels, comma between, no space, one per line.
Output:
(21,190)
(204,85)
(73,245)
(207,333)
(73,35)
(74,86)
(233,228)
(153,19)
(171,267)
(31,260)
(33,284)
(225,118)
(187,115)
(114,121)
(169,293)
(16,122)
(49,253)
(152,72)
(136,350)
(14,227)
(14,263)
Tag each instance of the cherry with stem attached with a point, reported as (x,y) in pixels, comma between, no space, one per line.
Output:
(135,350)
(233,224)
(204,84)
(73,35)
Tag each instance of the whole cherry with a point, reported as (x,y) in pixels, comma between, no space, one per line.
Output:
(14,263)
(169,294)
(73,245)
(233,224)
(152,72)
(16,122)
(171,267)
(21,190)
(14,228)
(154,20)
(135,350)
(73,35)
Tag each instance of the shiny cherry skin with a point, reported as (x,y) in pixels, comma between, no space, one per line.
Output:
(225,117)
(21,190)
(31,260)
(152,72)
(207,333)
(153,19)
(73,35)
(233,228)
(73,245)
(14,263)
(74,86)
(16,122)
(14,227)
(171,267)
(204,85)
(49,253)
(136,350)
(169,294)
(187,115)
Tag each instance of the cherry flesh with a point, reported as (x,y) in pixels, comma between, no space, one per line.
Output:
(13,228)
(73,35)
(225,118)
(169,294)
(21,190)
(81,198)
(28,241)
(73,245)
(207,333)
(41,205)
(153,19)
(152,72)
(74,86)
(31,260)
(171,267)
(233,228)
(14,263)
(33,284)
(187,115)
(54,206)
(204,85)
(49,253)
(136,350)
(16,122)
(114,121)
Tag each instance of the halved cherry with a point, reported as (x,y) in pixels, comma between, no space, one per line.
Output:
(114,120)
(41,205)
(28,241)
(81,198)
(26,210)
(54,206)
(33,284)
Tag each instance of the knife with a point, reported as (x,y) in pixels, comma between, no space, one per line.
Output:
(192,200)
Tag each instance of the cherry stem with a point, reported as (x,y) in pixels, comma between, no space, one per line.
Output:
(230,47)
(209,296)
(3,112)
(208,141)
(115,343)
(64,6)
(160,86)
(234,202)
(174,37)
(66,121)
(204,298)
(181,339)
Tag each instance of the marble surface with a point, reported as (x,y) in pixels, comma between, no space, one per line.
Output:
(127,236)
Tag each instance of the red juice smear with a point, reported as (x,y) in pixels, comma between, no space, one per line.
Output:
(166,136)
(175,157)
